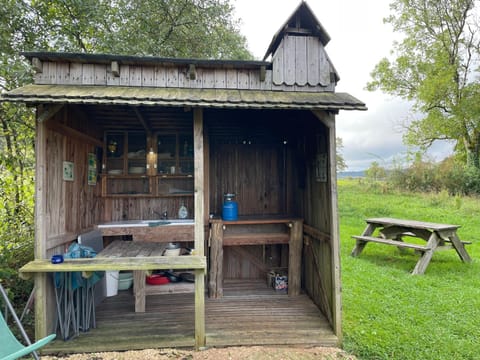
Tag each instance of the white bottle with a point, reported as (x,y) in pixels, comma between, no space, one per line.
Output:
(182,212)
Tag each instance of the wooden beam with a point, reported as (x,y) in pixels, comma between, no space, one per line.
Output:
(199,204)
(199,186)
(37,65)
(115,68)
(68,131)
(142,120)
(192,72)
(263,73)
(48,111)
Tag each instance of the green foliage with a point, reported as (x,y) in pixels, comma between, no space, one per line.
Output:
(375,172)
(341,163)
(387,312)
(166,28)
(434,66)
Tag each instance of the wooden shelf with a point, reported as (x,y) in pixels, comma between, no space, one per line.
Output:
(171,288)
(255,239)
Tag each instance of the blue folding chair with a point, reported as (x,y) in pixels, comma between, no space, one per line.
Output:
(10,347)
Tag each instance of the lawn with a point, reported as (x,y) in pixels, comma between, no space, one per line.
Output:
(389,313)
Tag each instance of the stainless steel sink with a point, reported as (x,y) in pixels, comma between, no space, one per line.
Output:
(152,223)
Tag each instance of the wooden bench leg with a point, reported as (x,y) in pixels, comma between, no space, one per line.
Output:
(460,248)
(359,246)
(139,290)
(422,264)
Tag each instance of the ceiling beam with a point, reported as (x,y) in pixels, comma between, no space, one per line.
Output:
(142,120)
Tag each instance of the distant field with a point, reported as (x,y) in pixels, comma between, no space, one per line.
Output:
(387,312)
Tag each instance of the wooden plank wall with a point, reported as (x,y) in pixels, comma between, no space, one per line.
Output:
(169,76)
(303,62)
(132,208)
(318,250)
(72,206)
(248,157)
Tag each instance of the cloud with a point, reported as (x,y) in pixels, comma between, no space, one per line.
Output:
(359,40)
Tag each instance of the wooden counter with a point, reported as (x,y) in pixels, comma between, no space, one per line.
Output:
(255,231)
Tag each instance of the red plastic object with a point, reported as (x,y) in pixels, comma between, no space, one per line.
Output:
(156,279)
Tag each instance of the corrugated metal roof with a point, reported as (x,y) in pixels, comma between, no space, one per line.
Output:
(215,98)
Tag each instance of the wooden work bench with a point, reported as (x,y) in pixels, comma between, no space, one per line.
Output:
(393,231)
(132,255)
(255,231)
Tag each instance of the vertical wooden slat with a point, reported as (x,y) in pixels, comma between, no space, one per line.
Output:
(63,75)
(278,65)
(148,76)
(76,74)
(172,77)
(220,78)
(199,197)
(300,60)
(295,258)
(160,76)
(100,74)
(232,79)
(313,63)
(88,74)
(289,60)
(324,78)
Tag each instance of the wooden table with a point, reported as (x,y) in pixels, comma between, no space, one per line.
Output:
(240,232)
(392,232)
(139,257)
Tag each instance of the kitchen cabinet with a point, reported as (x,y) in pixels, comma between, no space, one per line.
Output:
(157,166)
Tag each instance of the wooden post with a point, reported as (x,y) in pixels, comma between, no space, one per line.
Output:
(41,285)
(215,288)
(295,245)
(139,290)
(328,119)
(199,201)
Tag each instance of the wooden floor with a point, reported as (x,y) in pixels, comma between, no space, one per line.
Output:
(250,313)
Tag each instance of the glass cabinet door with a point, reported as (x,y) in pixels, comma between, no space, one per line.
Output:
(137,153)
(115,149)
(166,154)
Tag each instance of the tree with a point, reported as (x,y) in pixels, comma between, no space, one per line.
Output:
(375,172)
(341,164)
(434,67)
(165,28)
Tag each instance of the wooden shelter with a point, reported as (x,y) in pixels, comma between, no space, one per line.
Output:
(126,138)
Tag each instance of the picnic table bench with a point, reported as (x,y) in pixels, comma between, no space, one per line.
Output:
(393,231)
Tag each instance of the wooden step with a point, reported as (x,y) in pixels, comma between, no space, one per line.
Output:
(392,242)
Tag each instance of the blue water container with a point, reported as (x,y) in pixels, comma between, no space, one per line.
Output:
(230,208)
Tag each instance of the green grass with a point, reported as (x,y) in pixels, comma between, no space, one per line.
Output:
(387,312)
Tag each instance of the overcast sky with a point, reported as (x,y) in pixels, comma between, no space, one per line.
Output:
(359,40)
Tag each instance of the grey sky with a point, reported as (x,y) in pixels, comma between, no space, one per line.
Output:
(359,39)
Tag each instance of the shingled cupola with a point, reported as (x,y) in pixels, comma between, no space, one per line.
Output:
(298,52)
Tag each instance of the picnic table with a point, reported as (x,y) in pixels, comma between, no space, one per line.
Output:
(390,231)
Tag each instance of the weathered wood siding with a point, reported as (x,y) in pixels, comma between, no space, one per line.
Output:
(302,61)
(58,73)
(71,206)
